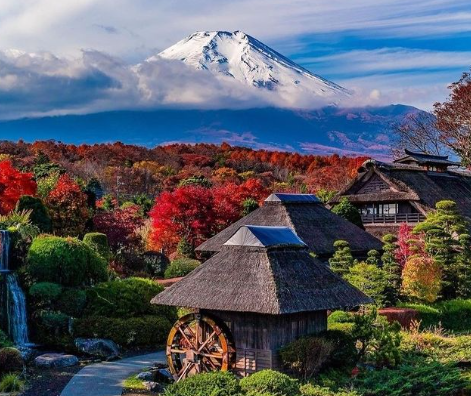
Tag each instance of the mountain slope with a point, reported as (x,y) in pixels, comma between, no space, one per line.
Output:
(324,131)
(242,57)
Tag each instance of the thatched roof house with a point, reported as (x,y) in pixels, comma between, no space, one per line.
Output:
(266,270)
(388,194)
(267,289)
(317,226)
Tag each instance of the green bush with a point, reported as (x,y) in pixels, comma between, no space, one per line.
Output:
(344,352)
(44,294)
(66,261)
(348,211)
(340,317)
(72,302)
(426,379)
(346,328)
(270,382)
(11,383)
(141,331)
(307,355)
(126,298)
(370,279)
(180,267)
(315,390)
(39,215)
(10,360)
(98,242)
(217,383)
(428,315)
(456,315)
(453,315)
(51,328)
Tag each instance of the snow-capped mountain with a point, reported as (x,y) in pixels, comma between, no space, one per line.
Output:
(242,57)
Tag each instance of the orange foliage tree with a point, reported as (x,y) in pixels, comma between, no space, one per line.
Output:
(13,184)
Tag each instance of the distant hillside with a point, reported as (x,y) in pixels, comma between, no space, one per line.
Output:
(365,131)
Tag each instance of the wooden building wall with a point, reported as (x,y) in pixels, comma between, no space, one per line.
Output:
(258,337)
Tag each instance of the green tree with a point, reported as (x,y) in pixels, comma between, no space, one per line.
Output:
(342,259)
(196,181)
(39,215)
(249,205)
(325,195)
(370,279)
(392,269)
(349,212)
(185,249)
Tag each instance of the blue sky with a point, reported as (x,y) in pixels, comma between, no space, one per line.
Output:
(388,51)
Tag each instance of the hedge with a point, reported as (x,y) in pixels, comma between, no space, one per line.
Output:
(270,382)
(141,331)
(98,242)
(66,261)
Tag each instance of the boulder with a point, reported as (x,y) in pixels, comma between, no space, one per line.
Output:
(163,376)
(60,360)
(145,376)
(99,347)
(152,386)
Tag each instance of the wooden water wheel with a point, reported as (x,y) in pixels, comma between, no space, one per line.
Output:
(198,344)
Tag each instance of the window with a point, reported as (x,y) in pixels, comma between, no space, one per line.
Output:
(379,209)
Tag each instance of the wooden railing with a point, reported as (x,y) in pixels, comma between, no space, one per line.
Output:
(397,218)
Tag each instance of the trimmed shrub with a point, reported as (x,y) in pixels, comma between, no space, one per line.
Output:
(126,298)
(66,261)
(180,267)
(456,315)
(270,382)
(11,383)
(72,302)
(98,242)
(52,328)
(141,331)
(39,214)
(10,360)
(307,355)
(44,294)
(217,383)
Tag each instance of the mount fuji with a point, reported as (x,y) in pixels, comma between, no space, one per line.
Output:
(241,57)
(324,126)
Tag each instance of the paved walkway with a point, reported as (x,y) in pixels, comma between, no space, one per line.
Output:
(106,379)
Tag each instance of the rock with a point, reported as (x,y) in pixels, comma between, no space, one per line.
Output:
(163,376)
(152,386)
(106,349)
(145,376)
(56,360)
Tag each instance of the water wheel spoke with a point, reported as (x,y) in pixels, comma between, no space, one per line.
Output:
(180,351)
(184,370)
(214,355)
(190,343)
(210,338)
(211,363)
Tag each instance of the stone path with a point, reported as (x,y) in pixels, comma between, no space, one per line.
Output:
(106,379)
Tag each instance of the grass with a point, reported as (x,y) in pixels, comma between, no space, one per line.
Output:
(11,383)
(133,383)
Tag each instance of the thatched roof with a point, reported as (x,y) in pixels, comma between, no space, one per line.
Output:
(317,226)
(425,159)
(278,278)
(419,186)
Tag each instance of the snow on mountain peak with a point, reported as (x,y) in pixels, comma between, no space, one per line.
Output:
(241,57)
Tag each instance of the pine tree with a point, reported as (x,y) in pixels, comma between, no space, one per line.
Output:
(342,259)
(442,231)
(462,267)
(373,257)
(392,269)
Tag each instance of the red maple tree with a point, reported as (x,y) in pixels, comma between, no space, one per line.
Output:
(13,184)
